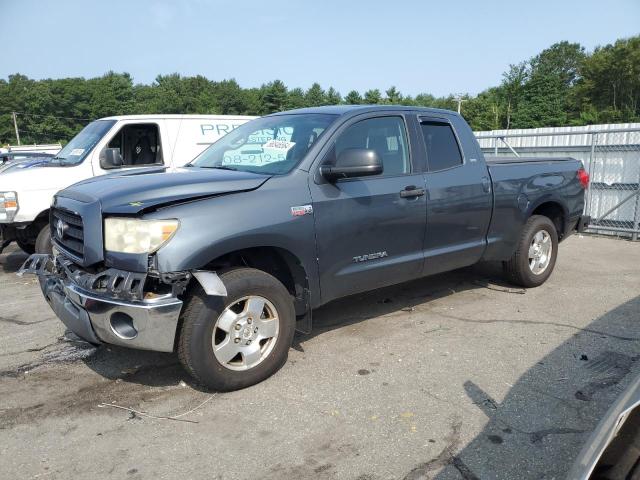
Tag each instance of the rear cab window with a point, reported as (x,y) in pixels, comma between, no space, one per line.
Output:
(443,150)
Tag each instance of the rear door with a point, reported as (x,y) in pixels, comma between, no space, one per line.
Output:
(459,195)
(370,230)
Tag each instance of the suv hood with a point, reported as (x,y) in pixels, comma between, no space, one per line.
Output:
(144,189)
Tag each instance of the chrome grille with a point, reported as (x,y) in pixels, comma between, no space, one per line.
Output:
(68,232)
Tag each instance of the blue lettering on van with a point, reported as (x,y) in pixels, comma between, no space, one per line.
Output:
(218,128)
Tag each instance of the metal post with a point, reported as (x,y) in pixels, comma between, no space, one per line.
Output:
(594,141)
(636,215)
(495,146)
(15,125)
(510,147)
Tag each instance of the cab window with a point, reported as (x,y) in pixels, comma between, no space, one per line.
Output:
(443,151)
(139,144)
(385,135)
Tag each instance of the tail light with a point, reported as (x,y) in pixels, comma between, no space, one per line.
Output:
(583,177)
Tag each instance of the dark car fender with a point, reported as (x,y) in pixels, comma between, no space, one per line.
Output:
(266,218)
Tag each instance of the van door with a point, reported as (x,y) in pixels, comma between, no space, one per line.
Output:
(195,134)
(370,230)
(139,145)
(458,198)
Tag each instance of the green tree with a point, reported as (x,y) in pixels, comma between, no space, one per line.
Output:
(484,112)
(353,98)
(562,85)
(394,97)
(315,96)
(333,97)
(295,99)
(372,97)
(275,97)
(609,89)
(511,90)
(425,100)
(228,98)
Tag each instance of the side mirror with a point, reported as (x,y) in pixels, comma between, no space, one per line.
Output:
(353,162)
(110,158)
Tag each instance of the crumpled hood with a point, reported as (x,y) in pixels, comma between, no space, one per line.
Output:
(144,189)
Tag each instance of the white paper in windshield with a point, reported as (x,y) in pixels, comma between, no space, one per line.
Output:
(76,152)
(281,145)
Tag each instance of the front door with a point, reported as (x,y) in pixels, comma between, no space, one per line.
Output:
(370,230)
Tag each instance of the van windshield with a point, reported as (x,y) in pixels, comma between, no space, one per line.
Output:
(269,145)
(81,145)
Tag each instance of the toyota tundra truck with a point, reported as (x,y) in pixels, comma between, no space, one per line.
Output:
(223,259)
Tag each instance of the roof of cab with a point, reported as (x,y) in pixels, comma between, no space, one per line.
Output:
(346,109)
(178,117)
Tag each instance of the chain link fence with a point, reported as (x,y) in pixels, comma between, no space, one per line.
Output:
(610,155)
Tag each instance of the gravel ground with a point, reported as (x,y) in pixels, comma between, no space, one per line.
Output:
(453,376)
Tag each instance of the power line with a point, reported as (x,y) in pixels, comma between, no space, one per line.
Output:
(51,116)
(24,114)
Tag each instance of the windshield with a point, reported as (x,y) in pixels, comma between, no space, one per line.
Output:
(79,147)
(268,145)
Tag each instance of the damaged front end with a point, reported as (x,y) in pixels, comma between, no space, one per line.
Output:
(136,310)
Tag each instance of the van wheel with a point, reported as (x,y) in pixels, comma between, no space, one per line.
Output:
(535,255)
(43,241)
(26,247)
(232,342)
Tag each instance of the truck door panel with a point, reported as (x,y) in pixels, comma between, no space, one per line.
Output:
(370,230)
(458,199)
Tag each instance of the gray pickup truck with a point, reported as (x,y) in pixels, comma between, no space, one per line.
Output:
(222,260)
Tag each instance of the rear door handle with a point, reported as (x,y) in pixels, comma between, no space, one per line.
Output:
(486,184)
(412,191)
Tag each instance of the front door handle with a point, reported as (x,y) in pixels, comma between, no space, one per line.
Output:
(412,191)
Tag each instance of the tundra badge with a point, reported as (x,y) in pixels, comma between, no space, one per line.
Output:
(369,256)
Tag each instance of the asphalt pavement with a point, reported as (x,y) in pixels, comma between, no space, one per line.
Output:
(453,376)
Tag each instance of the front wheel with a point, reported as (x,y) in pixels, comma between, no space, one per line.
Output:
(232,342)
(43,241)
(535,255)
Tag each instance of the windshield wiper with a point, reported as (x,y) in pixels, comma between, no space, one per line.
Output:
(221,167)
(61,160)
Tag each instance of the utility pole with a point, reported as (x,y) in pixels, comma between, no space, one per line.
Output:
(458,98)
(15,125)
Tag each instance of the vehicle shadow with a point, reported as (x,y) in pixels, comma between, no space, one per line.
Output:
(403,297)
(13,259)
(539,427)
(163,369)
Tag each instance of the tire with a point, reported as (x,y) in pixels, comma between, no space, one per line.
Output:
(43,241)
(518,268)
(202,312)
(26,247)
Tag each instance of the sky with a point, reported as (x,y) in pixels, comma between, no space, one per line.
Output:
(438,47)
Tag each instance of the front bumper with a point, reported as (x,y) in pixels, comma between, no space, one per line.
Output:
(147,325)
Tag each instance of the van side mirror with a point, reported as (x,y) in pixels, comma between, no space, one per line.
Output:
(353,162)
(110,158)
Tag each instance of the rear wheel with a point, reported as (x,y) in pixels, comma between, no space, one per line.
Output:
(232,342)
(535,256)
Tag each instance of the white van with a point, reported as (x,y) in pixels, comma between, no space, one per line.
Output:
(102,146)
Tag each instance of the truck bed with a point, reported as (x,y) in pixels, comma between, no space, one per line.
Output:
(512,160)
